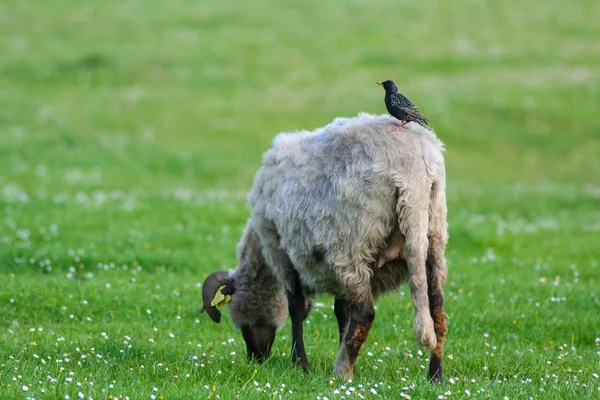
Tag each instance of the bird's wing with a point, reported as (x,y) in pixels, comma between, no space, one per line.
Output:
(404,104)
(414,114)
(399,100)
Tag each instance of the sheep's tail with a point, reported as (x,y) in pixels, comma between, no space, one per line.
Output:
(437,271)
(413,219)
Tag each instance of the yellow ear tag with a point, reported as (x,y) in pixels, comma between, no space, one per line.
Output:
(220,298)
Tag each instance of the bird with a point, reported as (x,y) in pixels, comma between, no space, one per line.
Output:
(400,107)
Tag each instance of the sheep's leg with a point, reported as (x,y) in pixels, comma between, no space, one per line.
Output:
(414,221)
(362,315)
(308,306)
(436,307)
(437,271)
(341,308)
(283,269)
(297,309)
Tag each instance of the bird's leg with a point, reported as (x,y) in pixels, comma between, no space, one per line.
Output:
(399,126)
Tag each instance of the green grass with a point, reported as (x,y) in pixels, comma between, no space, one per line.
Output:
(131,130)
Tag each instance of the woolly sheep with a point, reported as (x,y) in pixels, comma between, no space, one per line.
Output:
(349,209)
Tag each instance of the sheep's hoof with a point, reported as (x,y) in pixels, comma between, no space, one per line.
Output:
(438,377)
(342,367)
(347,375)
(303,364)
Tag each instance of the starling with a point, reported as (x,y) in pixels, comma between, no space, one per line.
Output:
(400,107)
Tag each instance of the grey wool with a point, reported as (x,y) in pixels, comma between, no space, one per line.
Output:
(328,210)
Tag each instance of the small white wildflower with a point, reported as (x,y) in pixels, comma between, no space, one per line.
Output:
(25,388)
(467,392)
(81,395)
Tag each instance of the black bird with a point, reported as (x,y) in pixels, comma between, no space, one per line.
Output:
(400,107)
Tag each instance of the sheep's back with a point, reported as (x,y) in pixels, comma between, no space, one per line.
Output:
(331,193)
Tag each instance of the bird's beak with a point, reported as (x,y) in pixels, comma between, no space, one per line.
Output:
(379,83)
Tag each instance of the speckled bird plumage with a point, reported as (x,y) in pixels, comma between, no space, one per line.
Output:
(400,107)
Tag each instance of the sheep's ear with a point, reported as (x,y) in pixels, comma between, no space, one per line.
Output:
(216,292)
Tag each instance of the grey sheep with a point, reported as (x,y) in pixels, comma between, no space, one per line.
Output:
(349,209)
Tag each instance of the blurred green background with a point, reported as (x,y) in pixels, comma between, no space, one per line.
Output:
(131,130)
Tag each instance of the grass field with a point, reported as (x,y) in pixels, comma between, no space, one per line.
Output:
(130,132)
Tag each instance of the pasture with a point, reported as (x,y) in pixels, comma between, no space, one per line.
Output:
(130,132)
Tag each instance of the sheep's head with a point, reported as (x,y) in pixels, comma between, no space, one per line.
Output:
(258,309)
(216,291)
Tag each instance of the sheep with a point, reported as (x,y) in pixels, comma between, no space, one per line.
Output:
(349,209)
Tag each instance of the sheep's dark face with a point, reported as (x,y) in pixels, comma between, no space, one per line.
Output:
(257,309)
(259,339)
(258,318)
